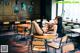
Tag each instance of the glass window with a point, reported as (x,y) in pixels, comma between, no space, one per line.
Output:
(69,9)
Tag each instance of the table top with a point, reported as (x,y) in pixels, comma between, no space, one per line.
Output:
(75,30)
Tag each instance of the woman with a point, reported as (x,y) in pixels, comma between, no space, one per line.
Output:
(55,27)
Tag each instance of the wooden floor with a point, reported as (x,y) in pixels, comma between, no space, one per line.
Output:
(25,49)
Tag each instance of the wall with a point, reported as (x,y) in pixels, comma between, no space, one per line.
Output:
(7,10)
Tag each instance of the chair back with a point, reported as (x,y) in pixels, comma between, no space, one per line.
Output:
(64,39)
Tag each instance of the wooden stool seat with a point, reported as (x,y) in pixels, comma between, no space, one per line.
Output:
(46,37)
(38,43)
(39,48)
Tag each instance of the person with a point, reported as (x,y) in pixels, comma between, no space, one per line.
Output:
(55,27)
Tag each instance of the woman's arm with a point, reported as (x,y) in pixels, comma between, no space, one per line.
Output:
(55,28)
(37,28)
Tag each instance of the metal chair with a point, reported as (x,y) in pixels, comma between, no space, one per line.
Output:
(58,43)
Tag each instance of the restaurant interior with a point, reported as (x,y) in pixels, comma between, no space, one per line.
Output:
(30,26)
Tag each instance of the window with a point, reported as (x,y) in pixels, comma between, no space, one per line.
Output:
(69,9)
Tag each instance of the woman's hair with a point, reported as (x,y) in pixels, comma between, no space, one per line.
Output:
(59,26)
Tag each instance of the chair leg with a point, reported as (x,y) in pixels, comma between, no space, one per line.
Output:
(48,50)
(31,44)
(54,49)
(61,50)
(46,46)
(29,47)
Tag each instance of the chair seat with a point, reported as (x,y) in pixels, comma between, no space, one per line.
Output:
(54,44)
(39,48)
(38,43)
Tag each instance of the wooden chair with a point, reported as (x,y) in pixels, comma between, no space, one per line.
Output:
(57,43)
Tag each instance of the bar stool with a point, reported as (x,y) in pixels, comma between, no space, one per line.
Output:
(40,44)
(37,44)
